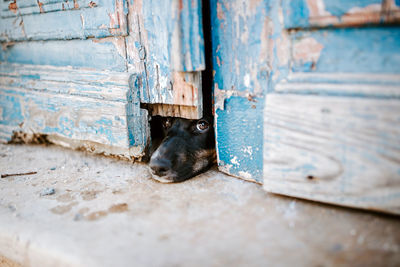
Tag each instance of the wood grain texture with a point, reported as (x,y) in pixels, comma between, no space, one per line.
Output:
(80,108)
(337,150)
(165,110)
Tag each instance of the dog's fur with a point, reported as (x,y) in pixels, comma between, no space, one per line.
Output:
(181,148)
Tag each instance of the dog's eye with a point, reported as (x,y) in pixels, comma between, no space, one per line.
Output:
(202,125)
(167,123)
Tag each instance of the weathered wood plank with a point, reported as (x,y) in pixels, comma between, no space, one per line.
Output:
(37,7)
(94,19)
(241,64)
(68,73)
(103,54)
(72,116)
(338,150)
(239,137)
(187,40)
(80,108)
(343,13)
(166,44)
(110,86)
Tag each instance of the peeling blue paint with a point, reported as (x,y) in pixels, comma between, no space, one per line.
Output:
(173,41)
(234,57)
(241,67)
(104,121)
(297,13)
(63,20)
(240,137)
(137,118)
(340,7)
(353,50)
(11,111)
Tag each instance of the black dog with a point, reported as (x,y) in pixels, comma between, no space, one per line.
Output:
(181,148)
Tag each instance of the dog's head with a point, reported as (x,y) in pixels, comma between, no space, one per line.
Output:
(186,148)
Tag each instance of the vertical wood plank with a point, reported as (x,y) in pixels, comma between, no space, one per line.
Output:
(241,49)
(168,50)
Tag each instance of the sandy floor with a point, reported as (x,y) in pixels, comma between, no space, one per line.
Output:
(85,210)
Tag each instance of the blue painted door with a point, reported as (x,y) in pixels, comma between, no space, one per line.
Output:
(78,71)
(307,98)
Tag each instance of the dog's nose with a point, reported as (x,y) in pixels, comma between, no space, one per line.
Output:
(160,166)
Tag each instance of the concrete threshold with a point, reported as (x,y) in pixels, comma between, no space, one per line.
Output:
(87,210)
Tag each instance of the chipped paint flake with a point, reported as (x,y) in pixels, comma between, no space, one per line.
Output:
(368,9)
(76,5)
(92,4)
(246,80)
(248,150)
(357,15)
(245,175)
(13,7)
(40,4)
(307,50)
(234,161)
(220,12)
(317,8)
(225,167)
(221,95)
(83,21)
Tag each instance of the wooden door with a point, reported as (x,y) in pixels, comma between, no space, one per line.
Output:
(64,75)
(307,98)
(331,124)
(83,73)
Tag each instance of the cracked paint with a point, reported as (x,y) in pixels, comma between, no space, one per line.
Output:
(40,4)
(317,8)
(118,22)
(76,5)
(92,4)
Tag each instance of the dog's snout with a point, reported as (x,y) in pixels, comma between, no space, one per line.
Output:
(160,166)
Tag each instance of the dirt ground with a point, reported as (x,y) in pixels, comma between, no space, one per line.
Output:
(87,210)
